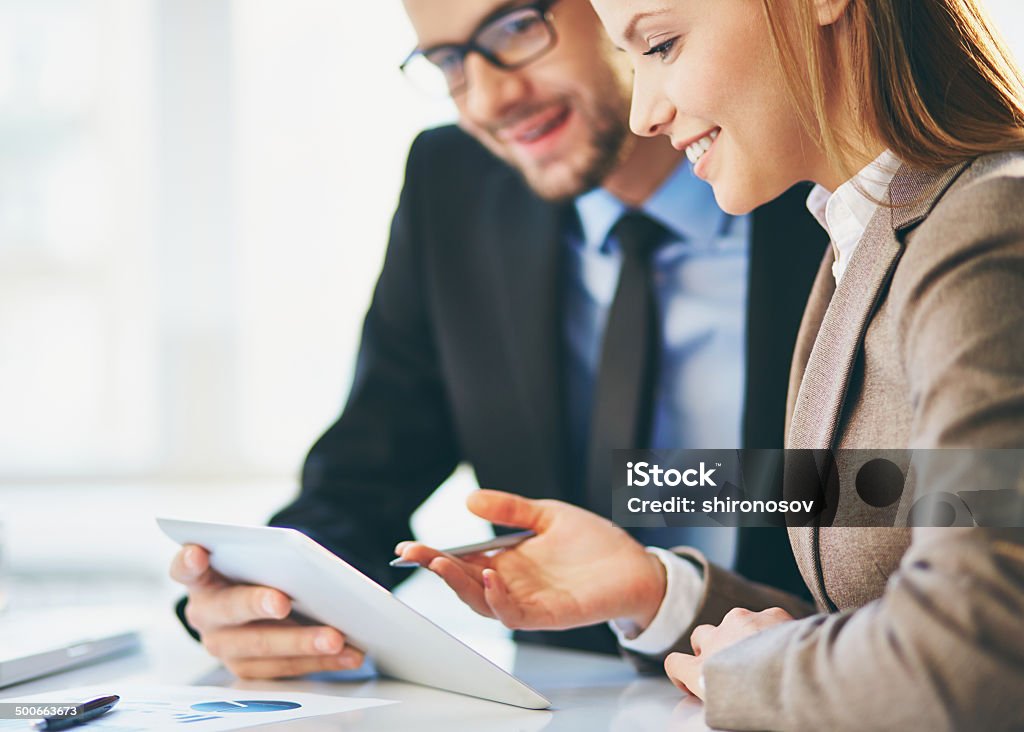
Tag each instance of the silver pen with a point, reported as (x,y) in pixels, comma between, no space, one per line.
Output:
(505,541)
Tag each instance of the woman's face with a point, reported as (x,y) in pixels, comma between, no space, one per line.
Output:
(706,77)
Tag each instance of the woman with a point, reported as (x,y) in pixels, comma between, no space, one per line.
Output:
(909,115)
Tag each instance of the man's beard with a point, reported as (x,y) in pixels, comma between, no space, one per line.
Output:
(609,136)
(583,169)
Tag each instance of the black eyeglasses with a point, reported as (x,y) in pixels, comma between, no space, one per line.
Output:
(509,40)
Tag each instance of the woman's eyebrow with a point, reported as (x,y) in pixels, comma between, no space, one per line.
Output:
(629,34)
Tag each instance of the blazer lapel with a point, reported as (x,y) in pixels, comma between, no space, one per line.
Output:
(823,383)
(814,313)
(527,235)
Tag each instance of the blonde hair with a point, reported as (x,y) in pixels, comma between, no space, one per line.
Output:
(931,78)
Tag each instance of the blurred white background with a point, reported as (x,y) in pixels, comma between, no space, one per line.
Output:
(194,205)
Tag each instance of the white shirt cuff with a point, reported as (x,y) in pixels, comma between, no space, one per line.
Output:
(684,587)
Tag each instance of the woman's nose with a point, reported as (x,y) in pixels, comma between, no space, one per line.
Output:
(650,114)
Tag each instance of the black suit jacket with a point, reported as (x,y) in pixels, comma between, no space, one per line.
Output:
(461,352)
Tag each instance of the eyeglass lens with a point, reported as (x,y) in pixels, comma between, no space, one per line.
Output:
(508,41)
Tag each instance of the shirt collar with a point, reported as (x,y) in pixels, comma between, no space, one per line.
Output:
(683,203)
(846,213)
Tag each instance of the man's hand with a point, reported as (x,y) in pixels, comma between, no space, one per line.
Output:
(580,569)
(687,671)
(249,628)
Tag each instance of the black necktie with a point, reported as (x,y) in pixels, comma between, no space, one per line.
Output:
(623,396)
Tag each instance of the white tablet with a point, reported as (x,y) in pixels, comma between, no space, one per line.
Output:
(402,643)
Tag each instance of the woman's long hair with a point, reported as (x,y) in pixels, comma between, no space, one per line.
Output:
(931,78)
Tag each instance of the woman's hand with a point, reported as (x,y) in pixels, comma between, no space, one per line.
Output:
(687,671)
(580,569)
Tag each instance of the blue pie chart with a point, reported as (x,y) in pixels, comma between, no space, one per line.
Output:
(245,705)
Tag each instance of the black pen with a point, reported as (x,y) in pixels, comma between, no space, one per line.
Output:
(79,714)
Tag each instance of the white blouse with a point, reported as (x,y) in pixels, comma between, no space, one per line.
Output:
(845,214)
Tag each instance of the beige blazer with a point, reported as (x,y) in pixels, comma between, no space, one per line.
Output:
(921,345)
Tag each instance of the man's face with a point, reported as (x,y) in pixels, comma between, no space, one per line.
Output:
(561,120)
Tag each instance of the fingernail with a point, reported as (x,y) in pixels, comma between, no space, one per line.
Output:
(325,643)
(191,560)
(349,658)
(488,580)
(400,546)
(268,605)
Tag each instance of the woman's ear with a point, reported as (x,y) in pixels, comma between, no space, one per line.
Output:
(829,11)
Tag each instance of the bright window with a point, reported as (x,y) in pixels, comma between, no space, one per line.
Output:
(194,204)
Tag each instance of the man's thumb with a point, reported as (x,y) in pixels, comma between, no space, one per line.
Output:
(506,509)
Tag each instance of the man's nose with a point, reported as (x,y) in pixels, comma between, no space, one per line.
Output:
(650,114)
(491,91)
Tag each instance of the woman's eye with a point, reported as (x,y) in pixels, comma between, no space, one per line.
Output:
(662,50)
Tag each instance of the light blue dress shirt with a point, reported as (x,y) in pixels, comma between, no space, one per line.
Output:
(701,278)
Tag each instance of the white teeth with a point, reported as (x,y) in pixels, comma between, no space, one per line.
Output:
(532,134)
(695,151)
(542,129)
(535,133)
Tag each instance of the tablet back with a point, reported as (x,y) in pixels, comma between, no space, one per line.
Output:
(402,643)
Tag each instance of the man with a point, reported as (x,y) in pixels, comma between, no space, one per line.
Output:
(486,341)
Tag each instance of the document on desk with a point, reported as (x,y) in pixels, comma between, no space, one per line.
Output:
(191,708)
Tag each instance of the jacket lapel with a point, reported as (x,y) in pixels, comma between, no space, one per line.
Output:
(817,303)
(528,252)
(835,322)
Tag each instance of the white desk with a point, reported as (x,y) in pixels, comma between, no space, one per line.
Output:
(588,691)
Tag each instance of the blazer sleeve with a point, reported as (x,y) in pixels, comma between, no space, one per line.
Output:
(394,443)
(722,591)
(943,648)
